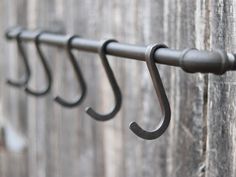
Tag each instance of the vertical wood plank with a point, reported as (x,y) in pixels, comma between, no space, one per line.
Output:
(187,131)
(221,91)
(67,142)
(14,111)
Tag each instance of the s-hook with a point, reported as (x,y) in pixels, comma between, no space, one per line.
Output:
(79,76)
(160,91)
(113,83)
(46,68)
(23,82)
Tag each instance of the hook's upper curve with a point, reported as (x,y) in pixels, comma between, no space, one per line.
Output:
(79,77)
(25,61)
(113,83)
(160,91)
(46,68)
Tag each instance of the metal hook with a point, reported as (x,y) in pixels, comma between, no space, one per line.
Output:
(79,76)
(25,61)
(113,83)
(160,91)
(46,68)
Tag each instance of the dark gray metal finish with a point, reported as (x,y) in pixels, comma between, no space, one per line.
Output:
(160,91)
(190,60)
(24,81)
(46,68)
(113,83)
(79,76)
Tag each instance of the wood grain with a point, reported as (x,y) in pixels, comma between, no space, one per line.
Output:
(200,141)
(221,120)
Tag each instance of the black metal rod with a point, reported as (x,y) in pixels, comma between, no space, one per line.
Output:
(190,60)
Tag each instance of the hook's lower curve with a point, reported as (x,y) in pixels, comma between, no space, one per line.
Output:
(25,61)
(46,68)
(79,76)
(113,83)
(160,91)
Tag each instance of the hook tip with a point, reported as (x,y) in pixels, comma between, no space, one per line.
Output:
(15,84)
(88,110)
(133,126)
(93,114)
(10,83)
(137,130)
(56,98)
(36,94)
(7,81)
(97,116)
(26,89)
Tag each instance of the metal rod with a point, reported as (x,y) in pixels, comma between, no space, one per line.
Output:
(190,60)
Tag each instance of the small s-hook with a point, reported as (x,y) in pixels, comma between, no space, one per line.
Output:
(160,91)
(46,68)
(79,76)
(24,58)
(113,83)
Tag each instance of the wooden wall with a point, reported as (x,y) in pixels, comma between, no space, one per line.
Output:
(60,142)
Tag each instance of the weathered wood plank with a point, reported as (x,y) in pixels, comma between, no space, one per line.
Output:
(14,111)
(187,133)
(221,115)
(67,142)
(154,153)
